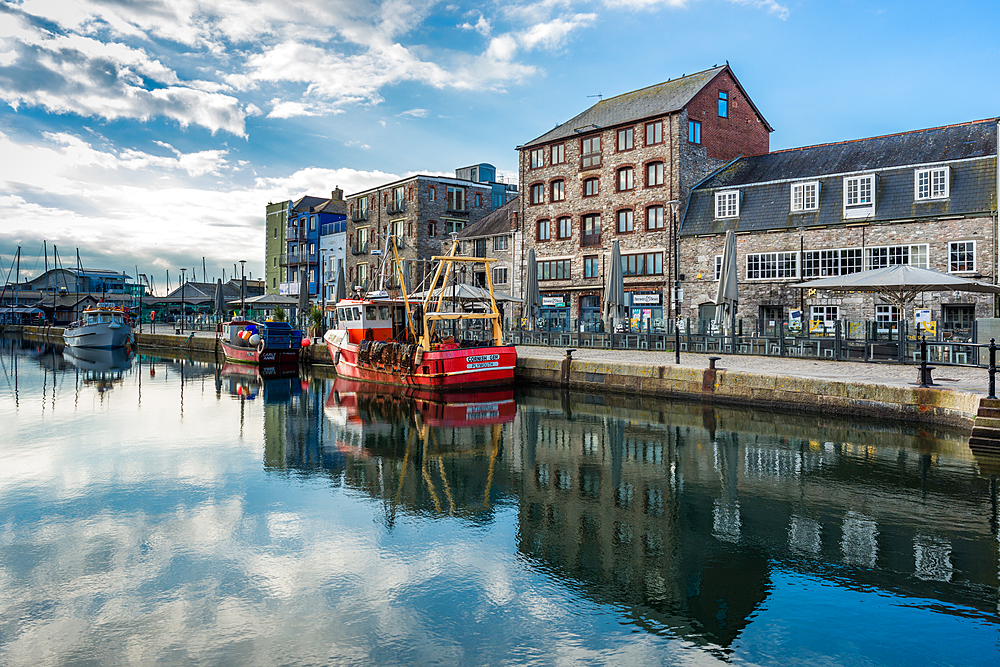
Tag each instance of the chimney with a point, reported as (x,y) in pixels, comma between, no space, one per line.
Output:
(337,193)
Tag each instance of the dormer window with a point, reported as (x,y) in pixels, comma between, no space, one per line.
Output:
(805,196)
(930,183)
(859,196)
(727,204)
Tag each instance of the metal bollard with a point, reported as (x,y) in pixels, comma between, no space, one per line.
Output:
(924,379)
(993,369)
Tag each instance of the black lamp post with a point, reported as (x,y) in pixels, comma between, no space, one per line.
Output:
(243,286)
(674,205)
(183,271)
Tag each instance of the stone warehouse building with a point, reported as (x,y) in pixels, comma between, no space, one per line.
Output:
(421,212)
(612,173)
(926,198)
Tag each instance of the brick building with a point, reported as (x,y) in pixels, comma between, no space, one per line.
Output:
(421,212)
(925,198)
(611,173)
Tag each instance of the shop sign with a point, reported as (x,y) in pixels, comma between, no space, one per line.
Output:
(554,301)
(645,299)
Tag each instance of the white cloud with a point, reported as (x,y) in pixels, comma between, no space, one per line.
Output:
(78,74)
(771,6)
(414,113)
(482,26)
(152,208)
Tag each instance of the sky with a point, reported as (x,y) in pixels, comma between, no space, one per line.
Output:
(152,134)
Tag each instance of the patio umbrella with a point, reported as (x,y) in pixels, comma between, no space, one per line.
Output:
(899,284)
(728,295)
(614,292)
(341,291)
(533,300)
(220,301)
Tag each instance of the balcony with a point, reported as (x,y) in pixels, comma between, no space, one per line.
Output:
(332,228)
(359,216)
(359,248)
(400,241)
(396,207)
(293,233)
(590,239)
(295,258)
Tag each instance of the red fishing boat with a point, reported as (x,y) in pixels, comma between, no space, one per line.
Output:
(396,339)
(267,343)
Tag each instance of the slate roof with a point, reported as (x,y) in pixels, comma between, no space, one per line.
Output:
(765,180)
(494,224)
(658,100)
(307,203)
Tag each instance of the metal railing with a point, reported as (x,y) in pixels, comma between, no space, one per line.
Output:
(359,249)
(359,216)
(395,206)
(870,342)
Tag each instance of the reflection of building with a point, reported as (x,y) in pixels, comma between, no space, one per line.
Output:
(683,514)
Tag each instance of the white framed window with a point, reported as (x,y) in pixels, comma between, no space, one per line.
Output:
(718,268)
(537,158)
(500,243)
(886,314)
(500,276)
(879,257)
(931,183)
(558,190)
(625,139)
(558,154)
(805,196)
(824,313)
(859,196)
(835,262)
(961,256)
(625,176)
(727,204)
(590,152)
(772,265)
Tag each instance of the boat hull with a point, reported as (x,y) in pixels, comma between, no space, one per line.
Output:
(459,368)
(266,356)
(98,336)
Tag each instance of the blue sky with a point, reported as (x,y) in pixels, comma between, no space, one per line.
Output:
(152,134)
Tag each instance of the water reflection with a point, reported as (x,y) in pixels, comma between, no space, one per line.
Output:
(215,505)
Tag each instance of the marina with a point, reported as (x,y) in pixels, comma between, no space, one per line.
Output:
(201,512)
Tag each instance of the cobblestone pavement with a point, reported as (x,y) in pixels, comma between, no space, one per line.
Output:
(963,378)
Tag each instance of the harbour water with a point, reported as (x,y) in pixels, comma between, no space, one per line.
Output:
(176,511)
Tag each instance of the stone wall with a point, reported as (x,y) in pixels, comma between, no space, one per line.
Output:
(698,264)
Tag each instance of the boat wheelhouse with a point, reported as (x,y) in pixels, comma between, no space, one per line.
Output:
(270,343)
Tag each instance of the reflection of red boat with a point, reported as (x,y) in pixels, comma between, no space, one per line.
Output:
(435,408)
(261,371)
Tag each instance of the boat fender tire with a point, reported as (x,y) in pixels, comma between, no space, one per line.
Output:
(336,357)
(260,346)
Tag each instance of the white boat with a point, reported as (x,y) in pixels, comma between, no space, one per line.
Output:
(103,325)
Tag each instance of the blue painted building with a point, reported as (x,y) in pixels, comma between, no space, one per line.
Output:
(310,219)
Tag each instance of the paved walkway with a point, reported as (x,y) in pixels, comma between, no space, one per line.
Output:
(963,378)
